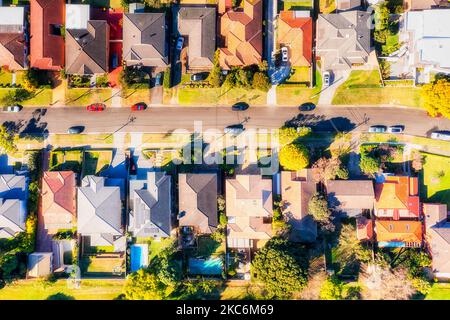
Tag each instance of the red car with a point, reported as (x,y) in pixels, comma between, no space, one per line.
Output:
(96,107)
(138,106)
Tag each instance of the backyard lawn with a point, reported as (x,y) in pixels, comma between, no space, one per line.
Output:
(102,266)
(298,5)
(439,291)
(39,290)
(96,161)
(363,87)
(85,96)
(435,179)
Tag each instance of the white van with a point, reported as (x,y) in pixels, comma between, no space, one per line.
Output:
(441,136)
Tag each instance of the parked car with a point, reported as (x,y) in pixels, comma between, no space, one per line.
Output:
(96,107)
(139,106)
(377,129)
(326,78)
(12,108)
(198,76)
(308,106)
(75,130)
(234,129)
(396,129)
(441,135)
(158,79)
(180,42)
(284,54)
(240,106)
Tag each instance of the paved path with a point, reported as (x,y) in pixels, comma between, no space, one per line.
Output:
(116,98)
(327,94)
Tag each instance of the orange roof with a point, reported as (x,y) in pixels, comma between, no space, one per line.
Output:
(296,33)
(46,49)
(364,228)
(398,231)
(58,197)
(398,192)
(242,33)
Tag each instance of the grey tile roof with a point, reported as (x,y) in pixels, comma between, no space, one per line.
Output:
(13,214)
(199,25)
(351,194)
(151,205)
(144,39)
(87,49)
(343,38)
(13,186)
(99,209)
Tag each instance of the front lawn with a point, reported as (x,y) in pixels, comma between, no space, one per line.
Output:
(5,77)
(96,161)
(289,94)
(222,96)
(73,140)
(61,160)
(132,96)
(40,97)
(363,88)
(439,291)
(435,179)
(327,6)
(58,290)
(298,5)
(86,96)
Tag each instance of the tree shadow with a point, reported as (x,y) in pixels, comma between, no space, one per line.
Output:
(60,296)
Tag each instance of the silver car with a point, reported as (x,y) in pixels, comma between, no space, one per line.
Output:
(395,129)
(441,135)
(326,78)
(12,109)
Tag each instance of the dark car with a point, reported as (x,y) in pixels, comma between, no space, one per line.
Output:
(198,76)
(308,106)
(377,129)
(240,106)
(75,130)
(96,107)
(139,106)
(234,129)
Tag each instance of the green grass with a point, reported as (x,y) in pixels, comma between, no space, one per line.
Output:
(66,160)
(212,96)
(435,179)
(85,96)
(41,97)
(5,77)
(73,140)
(391,44)
(298,5)
(132,96)
(439,291)
(363,87)
(292,95)
(102,266)
(96,161)
(39,290)
(327,6)
(209,247)
(299,74)
(155,247)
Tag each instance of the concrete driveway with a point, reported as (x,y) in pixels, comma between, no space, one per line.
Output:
(327,93)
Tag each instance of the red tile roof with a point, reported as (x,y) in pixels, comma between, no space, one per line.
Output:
(46,49)
(364,228)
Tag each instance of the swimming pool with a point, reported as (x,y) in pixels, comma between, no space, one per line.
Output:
(211,266)
(138,256)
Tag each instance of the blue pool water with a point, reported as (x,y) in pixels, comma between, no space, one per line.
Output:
(392,244)
(138,256)
(211,266)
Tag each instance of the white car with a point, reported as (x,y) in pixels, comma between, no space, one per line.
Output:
(326,78)
(180,42)
(395,129)
(284,54)
(12,108)
(441,135)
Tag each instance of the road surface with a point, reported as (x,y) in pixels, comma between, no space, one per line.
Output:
(167,119)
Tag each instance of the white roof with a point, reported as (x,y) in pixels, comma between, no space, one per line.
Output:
(13,16)
(77,16)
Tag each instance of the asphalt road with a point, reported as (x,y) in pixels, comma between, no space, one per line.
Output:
(167,119)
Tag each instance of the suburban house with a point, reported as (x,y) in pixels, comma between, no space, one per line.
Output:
(438,237)
(100,214)
(151,206)
(426,35)
(197,197)
(343,5)
(297,188)
(145,40)
(249,211)
(295,32)
(13,204)
(58,200)
(400,233)
(343,39)
(241,33)
(424,4)
(198,27)
(351,197)
(46,34)
(87,42)
(40,264)
(13,48)
(397,197)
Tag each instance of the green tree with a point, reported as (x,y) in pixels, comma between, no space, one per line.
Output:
(8,140)
(288,135)
(261,81)
(215,77)
(294,157)
(328,169)
(318,208)
(166,80)
(436,97)
(369,165)
(279,269)
(332,289)
(144,285)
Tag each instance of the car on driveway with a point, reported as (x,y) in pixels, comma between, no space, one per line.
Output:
(75,130)
(396,129)
(180,42)
(12,109)
(240,106)
(441,135)
(326,78)
(284,54)
(198,76)
(377,129)
(308,106)
(138,106)
(96,107)
(234,129)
